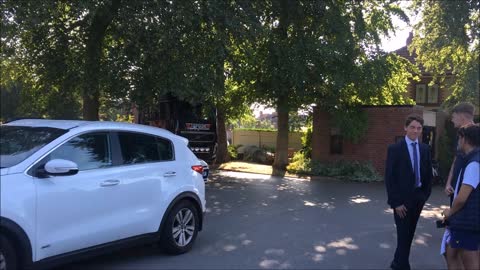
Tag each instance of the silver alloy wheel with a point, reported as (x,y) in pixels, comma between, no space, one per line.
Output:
(183,227)
(3,262)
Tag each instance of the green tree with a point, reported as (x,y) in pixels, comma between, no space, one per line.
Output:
(232,105)
(322,52)
(36,54)
(211,43)
(446,39)
(63,44)
(80,54)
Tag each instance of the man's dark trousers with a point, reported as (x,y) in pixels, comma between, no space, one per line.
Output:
(400,182)
(406,230)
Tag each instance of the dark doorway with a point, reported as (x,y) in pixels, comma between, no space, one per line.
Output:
(428,137)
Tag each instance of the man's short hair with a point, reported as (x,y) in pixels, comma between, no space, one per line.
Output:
(413,117)
(465,108)
(471,133)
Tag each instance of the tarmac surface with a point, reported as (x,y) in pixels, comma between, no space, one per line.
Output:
(264,222)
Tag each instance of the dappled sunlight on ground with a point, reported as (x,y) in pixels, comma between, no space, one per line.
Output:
(247,167)
(272,251)
(229,248)
(228,243)
(274,259)
(323,205)
(218,208)
(320,249)
(433,212)
(384,246)
(246,242)
(273,264)
(346,243)
(299,201)
(359,199)
(339,247)
(422,239)
(429,211)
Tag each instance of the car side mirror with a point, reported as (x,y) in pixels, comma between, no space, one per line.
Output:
(61,167)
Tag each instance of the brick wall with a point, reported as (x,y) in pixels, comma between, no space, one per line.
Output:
(384,124)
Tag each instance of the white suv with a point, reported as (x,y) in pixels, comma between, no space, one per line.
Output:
(72,188)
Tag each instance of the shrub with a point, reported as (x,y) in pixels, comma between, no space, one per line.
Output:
(270,149)
(348,170)
(233,151)
(255,154)
(307,141)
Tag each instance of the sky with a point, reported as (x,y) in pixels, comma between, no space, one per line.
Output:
(399,39)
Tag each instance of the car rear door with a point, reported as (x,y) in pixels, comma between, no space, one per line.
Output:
(149,170)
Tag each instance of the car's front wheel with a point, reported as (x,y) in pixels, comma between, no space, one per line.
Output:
(8,258)
(180,229)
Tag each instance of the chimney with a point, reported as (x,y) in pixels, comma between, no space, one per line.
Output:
(410,38)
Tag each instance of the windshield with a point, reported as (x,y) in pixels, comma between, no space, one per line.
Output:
(17,143)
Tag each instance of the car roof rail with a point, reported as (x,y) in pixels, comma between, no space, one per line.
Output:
(21,118)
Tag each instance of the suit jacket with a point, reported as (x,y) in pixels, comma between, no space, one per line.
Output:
(400,177)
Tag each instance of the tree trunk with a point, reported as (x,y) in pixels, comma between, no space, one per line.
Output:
(316,140)
(95,36)
(222,150)
(281,150)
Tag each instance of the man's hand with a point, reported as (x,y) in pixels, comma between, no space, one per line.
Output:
(401,211)
(449,190)
(446,214)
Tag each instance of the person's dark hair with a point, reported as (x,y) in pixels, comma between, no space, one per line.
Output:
(471,133)
(413,117)
(465,108)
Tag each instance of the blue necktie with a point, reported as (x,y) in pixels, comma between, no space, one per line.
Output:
(415,165)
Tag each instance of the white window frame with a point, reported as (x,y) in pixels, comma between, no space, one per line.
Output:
(420,93)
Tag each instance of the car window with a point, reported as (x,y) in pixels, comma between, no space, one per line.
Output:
(165,149)
(89,151)
(141,148)
(18,142)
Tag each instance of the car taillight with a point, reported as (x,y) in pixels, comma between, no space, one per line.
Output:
(198,168)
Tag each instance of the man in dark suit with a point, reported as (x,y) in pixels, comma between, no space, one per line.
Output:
(408,178)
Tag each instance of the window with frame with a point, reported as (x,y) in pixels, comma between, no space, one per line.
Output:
(336,144)
(432,94)
(425,94)
(141,148)
(420,93)
(89,151)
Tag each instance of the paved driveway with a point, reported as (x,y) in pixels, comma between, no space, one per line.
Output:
(262,222)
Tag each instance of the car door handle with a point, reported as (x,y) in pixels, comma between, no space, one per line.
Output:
(109,183)
(169,174)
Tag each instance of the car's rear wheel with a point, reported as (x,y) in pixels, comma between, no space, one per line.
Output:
(8,257)
(180,229)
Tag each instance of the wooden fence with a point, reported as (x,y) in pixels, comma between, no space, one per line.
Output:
(265,139)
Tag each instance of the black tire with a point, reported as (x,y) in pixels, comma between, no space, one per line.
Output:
(174,231)
(8,257)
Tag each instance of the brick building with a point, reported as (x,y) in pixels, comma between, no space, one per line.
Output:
(385,123)
(385,126)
